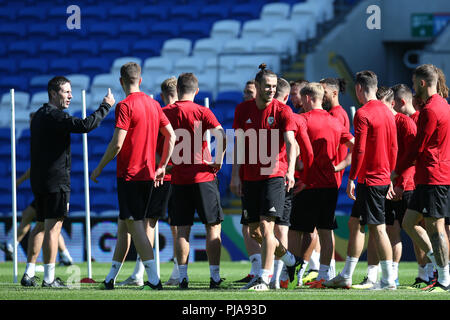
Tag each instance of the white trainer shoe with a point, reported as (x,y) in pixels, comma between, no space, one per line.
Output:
(172,282)
(381,285)
(338,282)
(259,285)
(131,282)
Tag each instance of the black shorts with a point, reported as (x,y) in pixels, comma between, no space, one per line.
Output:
(264,198)
(134,198)
(431,201)
(244,215)
(314,208)
(285,219)
(370,204)
(160,201)
(395,210)
(203,197)
(54,205)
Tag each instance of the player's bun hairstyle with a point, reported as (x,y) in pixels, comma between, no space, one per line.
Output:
(55,84)
(442,88)
(264,73)
(402,91)
(339,83)
(385,93)
(367,79)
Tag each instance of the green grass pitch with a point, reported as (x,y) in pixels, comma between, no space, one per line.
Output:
(199,286)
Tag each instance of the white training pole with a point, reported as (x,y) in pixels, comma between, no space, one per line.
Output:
(13,182)
(86,191)
(156,246)
(353,112)
(208,133)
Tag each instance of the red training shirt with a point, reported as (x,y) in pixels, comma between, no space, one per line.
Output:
(326,134)
(431,148)
(186,118)
(339,113)
(375,152)
(406,133)
(141,117)
(159,151)
(306,150)
(261,125)
(415,116)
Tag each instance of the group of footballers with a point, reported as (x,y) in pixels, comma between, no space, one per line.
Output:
(399,177)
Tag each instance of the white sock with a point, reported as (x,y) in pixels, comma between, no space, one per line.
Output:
(152,272)
(214,271)
(30,269)
(332,270)
(288,259)
(349,268)
(423,273)
(9,245)
(255,259)
(65,254)
(395,270)
(430,256)
(429,268)
(139,269)
(114,271)
(314,261)
(265,275)
(301,272)
(443,276)
(175,273)
(323,272)
(386,271)
(182,268)
(49,272)
(277,268)
(372,273)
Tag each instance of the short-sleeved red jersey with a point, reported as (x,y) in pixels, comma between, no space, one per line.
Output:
(190,122)
(339,113)
(275,119)
(375,152)
(326,134)
(141,117)
(406,133)
(431,148)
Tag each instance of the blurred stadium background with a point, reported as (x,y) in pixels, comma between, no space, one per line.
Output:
(222,42)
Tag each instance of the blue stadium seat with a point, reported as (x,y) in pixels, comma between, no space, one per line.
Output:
(84,49)
(195,30)
(77,202)
(104,201)
(71,35)
(19,83)
(114,48)
(22,49)
(53,49)
(3,50)
(200,98)
(184,13)
(8,14)
(77,152)
(94,66)
(146,48)
(102,134)
(8,66)
(103,29)
(245,11)
(133,31)
(153,13)
(165,30)
(123,14)
(228,99)
(57,14)
(32,66)
(32,14)
(39,83)
(63,66)
(42,31)
(12,32)
(22,151)
(93,14)
(212,13)
(5,136)
(5,203)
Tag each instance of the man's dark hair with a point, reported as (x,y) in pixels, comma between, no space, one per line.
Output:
(282,86)
(250,82)
(264,73)
(186,83)
(130,73)
(338,83)
(402,91)
(300,82)
(427,72)
(55,84)
(385,93)
(367,80)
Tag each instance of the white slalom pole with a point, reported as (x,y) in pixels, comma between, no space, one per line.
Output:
(353,112)
(86,191)
(208,133)
(13,182)
(156,246)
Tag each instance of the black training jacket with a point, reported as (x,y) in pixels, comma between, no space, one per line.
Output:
(50,146)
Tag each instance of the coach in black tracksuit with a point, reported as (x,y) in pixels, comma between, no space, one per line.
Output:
(50,171)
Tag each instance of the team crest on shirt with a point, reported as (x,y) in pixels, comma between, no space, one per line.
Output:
(270,120)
